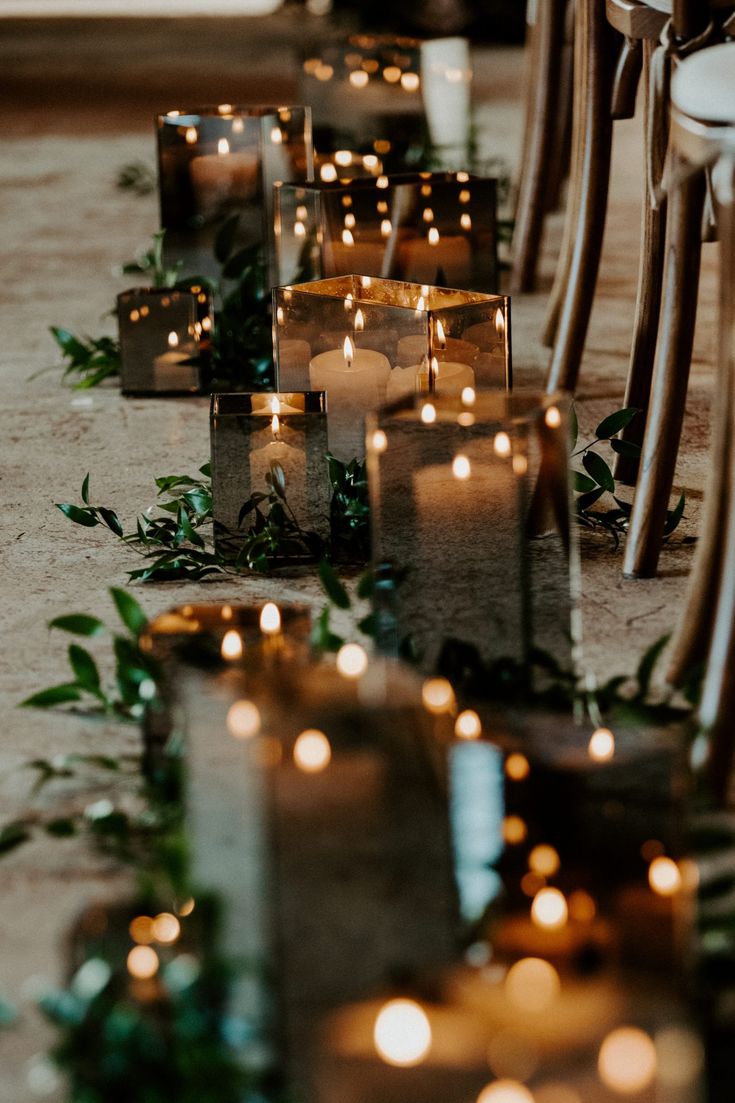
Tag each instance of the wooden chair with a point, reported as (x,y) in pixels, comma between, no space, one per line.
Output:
(703,130)
(544,163)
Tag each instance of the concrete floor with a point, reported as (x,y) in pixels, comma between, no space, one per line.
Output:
(66,227)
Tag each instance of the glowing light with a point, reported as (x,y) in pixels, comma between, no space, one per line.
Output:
(166,928)
(582,906)
(519,464)
(187,907)
(379,441)
(410,82)
(501,445)
(275,404)
(381,206)
(549,909)
(433,236)
(426,189)
(462,177)
(531,883)
(173,340)
(275,425)
(437,695)
(270,619)
(465,195)
(370,161)
(386,227)
(465,221)
(328,173)
(277,136)
(141,929)
(299,229)
(349,299)
(428,215)
(346,200)
(514,830)
(343,157)
(532,984)
(324,72)
(359,321)
(500,324)
(517,767)
(664,876)
(468,396)
(392,74)
(347,238)
(223,146)
(225,109)
(243,720)
(428,413)
(366,281)
(348,351)
(312,64)
(627,1060)
(601,747)
(312,751)
(352,660)
(468,725)
(461,468)
(552,417)
(231,645)
(402,1033)
(359,78)
(143,962)
(382,182)
(192,135)
(134,315)
(349,220)
(238,126)
(544,860)
(505,1091)
(440,335)
(280,316)
(301,212)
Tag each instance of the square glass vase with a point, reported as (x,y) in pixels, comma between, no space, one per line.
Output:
(470,512)
(368,341)
(433,228)
(218,165)
(265,443)
(165,340)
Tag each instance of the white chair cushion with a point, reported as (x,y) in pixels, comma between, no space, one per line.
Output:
(703,85)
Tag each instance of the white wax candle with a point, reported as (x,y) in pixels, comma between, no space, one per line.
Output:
(421,260)
(450,378)
(401,383)
(364,257)
(285,446)
(355,381)
(219,177)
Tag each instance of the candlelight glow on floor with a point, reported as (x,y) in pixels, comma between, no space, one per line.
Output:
(402,1033)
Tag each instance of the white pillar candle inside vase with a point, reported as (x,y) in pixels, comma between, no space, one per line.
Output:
(446,77)
(355,380)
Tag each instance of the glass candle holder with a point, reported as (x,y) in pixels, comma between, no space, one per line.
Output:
(219,162)
(165,340)
(366,85)
(317,808)
(470,507)
(430,228)
(251,434)
(346,165)
(366,341)
(254,636)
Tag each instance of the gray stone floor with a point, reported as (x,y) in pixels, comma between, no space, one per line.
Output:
(65,228)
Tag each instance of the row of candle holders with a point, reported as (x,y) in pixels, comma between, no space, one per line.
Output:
(435,901)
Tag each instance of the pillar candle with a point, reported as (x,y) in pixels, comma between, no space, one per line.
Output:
(355,381)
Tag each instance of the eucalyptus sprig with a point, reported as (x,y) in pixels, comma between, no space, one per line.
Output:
(597,478)
(135,673)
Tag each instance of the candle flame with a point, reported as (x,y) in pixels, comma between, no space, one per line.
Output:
(348,301)
(328,173)
(192,135)
(349,220)
(347,238)
(382,182)
(428,215)
(499,322)
(343,157)
(275,404)
(299,229)
(465,222)
(359,321)
(434,368)
(277,136)
(270,619)
(348,350)
(440,335)
(462,177)
(386,227)
(173,340)
(275,424)
(231,645)
(223,146)
(433,236)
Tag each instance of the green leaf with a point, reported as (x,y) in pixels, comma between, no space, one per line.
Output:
(626,448)
(61,828)
(674,516)
(85,668)
(70,345)
(588,500)
(613,423)
(583,483)
(55,695)
(332,586)
(595,466)
(365,585)
(647,664)
(573,427)
(129,611)
(225,239)
(79,516)
(80,624)
(322,638)
(368,624)
(12,835)
(85,489)
(111,520)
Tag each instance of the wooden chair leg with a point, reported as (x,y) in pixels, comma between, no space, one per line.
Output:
(595,88)
(561,152)
(694,634)
(670,378)
(543,105)
(648,297)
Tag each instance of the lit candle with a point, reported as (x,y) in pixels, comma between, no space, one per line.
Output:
(355,380)
(220,177)
(422,258)
(282,444)
(172,370)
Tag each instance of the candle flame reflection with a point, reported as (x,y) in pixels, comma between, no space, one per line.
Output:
(173,340)
(223,146)
(348,351)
